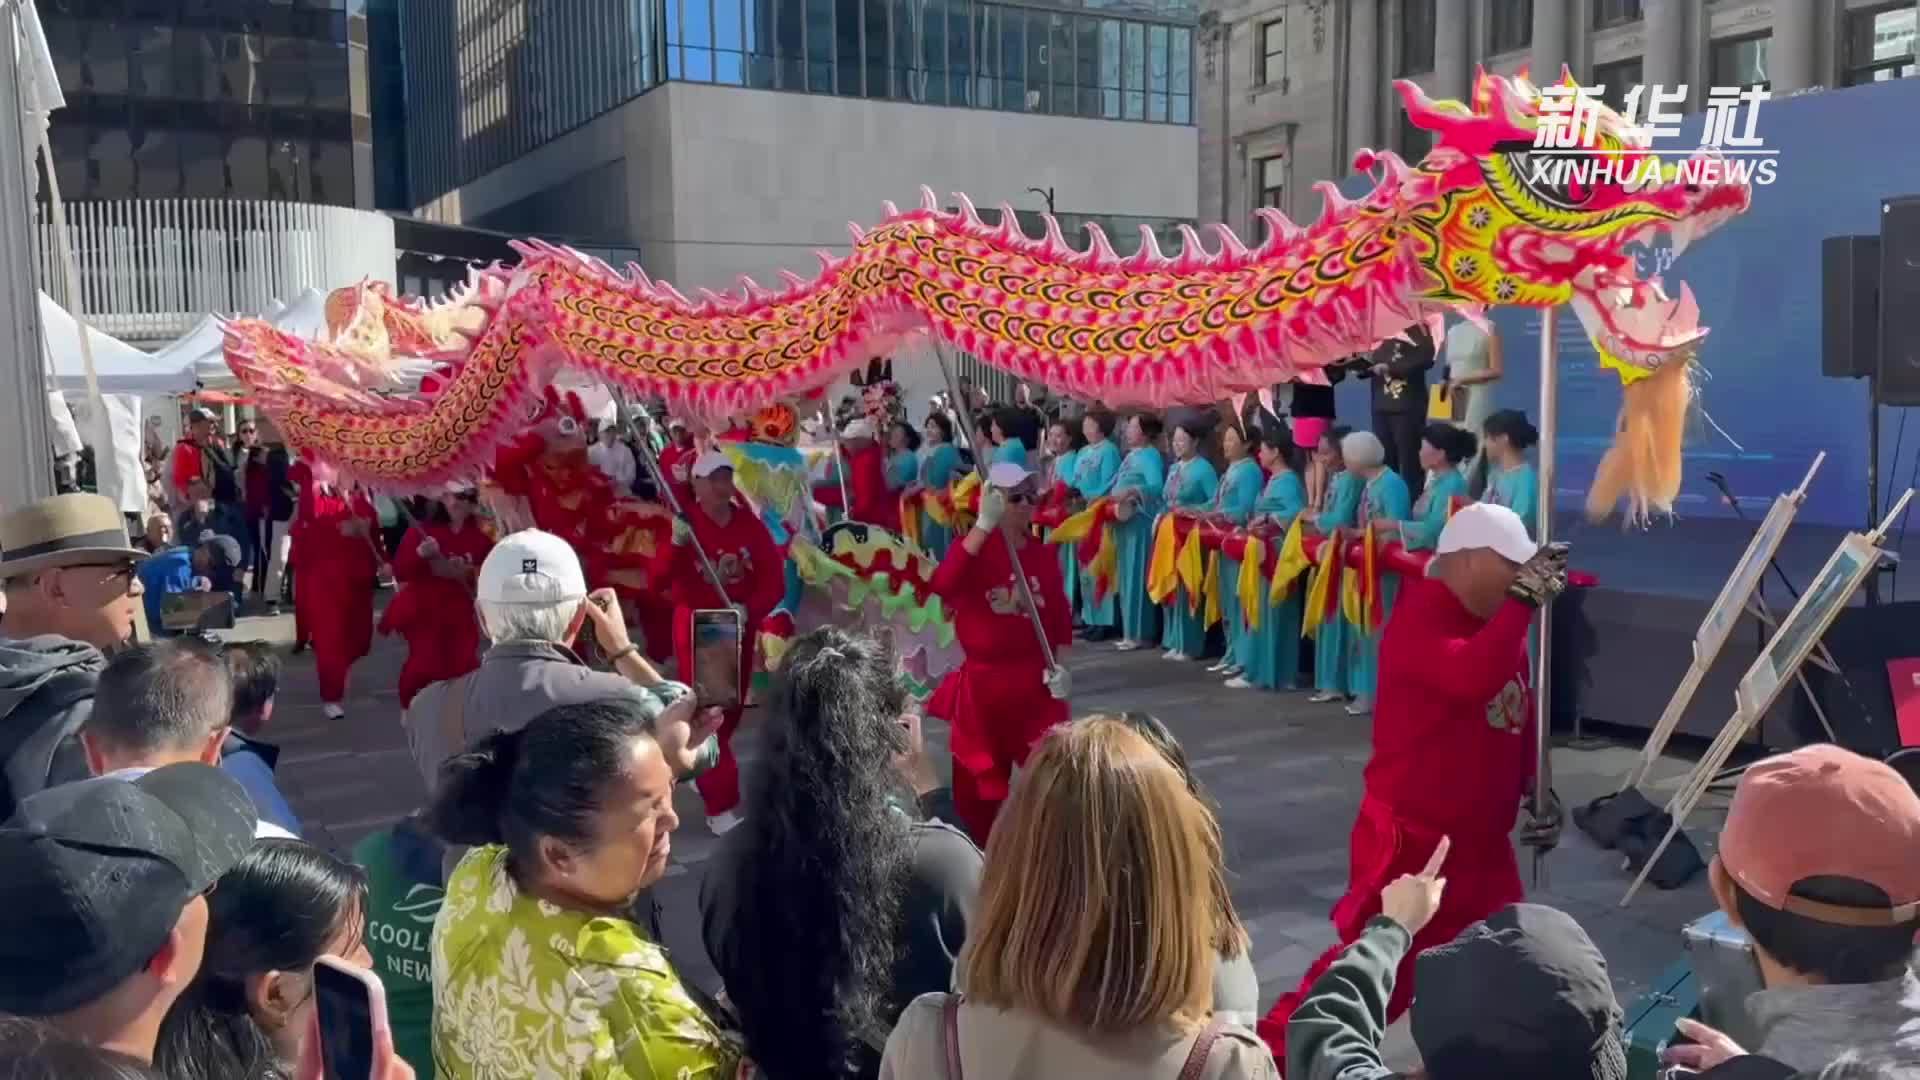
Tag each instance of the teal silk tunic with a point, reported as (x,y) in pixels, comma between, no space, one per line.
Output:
(1517,489)
(1093,476)
(1271,654)
(1061,471)
(1239,490)
(1190,486)
(1332,666)
(1384,499)
(938,463)
(1142,473)
(1422,531)
(903,468)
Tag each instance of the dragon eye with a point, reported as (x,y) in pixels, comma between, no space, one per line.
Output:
(569,426)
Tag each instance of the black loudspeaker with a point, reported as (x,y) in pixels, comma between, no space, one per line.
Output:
(1900,301)
(1850,306)
(1860,706)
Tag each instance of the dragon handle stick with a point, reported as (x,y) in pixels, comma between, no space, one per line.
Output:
(1006,531)
(1543,673)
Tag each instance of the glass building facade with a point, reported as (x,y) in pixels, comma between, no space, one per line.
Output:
(487,82)
(220,99)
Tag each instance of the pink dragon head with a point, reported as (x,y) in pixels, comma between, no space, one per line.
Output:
(1532,197)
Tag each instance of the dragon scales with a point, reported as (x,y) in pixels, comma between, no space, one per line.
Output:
(1474,224)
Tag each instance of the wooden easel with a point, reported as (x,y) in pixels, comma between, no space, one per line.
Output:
(1793,640)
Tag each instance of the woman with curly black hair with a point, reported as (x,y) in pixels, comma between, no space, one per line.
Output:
(835,904)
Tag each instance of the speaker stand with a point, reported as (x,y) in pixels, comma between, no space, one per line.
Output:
(1873,475)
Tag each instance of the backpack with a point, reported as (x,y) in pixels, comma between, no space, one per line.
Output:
(40,738)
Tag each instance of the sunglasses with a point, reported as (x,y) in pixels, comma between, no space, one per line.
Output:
(1022,496)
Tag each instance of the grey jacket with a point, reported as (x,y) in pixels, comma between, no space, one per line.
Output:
(517,681)
(46,695)
(1808,1027)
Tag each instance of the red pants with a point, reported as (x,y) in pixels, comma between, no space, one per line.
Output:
(720,785)
(1482,877)
(997,713)
(438,653)
(335,606)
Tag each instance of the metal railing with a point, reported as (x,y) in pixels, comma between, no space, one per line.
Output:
(150,269)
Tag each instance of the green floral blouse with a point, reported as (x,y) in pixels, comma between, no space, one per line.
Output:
(522,988)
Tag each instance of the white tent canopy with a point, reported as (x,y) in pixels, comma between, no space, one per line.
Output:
(202,350)
(121,368)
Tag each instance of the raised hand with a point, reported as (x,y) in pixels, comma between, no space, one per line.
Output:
(1414,899)
(1542,577)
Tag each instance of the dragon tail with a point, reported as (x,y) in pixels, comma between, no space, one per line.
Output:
(1643,464)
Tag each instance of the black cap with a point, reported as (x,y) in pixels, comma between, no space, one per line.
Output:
(96,874)
(1524,993)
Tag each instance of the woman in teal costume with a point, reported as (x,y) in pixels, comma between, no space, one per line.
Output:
(1191,484)
(1383,498)
(1016,435)
(1332,666)
(1445,451)
(939,460)
(1142,475)
(1233,505)
(1057,467)
(1272,653)
(903,457)
(1511,482)
(1093,478)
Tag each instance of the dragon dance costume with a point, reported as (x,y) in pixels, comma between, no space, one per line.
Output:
(435,614)
(336,538)
(997,702)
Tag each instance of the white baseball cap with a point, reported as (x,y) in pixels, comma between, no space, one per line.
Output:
(1007,475)
(531,567)
(709,463)
(1484,525)
(857,429)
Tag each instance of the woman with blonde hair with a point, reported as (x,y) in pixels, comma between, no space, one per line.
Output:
(1103,911)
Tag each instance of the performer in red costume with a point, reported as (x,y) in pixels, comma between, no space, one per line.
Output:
(865,462)
(752,569)
(337,536)
(1003,697)
(676,462)
(1453,743)
(436,567)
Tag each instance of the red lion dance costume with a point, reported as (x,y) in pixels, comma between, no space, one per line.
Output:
(336,538)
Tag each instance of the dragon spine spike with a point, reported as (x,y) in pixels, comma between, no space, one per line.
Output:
(1011,231)
(1149,256)
(929,201)
(1334,205)
(1193,252)
(1281,231)
(1057,245)
(859,234)
(969,213)
(888,211)
(1100,253)
(827,261)
(1234,251)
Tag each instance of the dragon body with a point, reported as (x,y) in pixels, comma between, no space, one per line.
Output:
(1473,224)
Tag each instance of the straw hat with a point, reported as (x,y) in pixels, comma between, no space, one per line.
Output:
(65,530)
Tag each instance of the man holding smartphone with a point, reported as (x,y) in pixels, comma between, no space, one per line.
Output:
(720,537)
(1003,697)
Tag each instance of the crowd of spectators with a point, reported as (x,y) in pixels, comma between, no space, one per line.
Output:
(160,917)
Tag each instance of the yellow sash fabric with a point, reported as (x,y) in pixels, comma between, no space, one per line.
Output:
(1293,562)
(1163,575)
(1249,584)
(1319,587)
(1215,611)
(1193,569)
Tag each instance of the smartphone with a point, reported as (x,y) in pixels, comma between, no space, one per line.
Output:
(353,1009)
(716,658)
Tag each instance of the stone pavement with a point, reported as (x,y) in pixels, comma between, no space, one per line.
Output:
(1286,776)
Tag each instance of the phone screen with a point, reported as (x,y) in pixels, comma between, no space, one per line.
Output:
(716,657)
(346,1024)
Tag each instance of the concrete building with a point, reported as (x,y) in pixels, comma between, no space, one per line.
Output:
(1287,91)
(730,137)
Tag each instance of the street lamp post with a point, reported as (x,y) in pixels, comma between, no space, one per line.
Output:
(1047,194)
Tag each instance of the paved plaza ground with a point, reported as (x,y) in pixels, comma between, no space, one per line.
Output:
(1286,775)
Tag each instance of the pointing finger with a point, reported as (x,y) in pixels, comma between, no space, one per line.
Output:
(1439,857)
